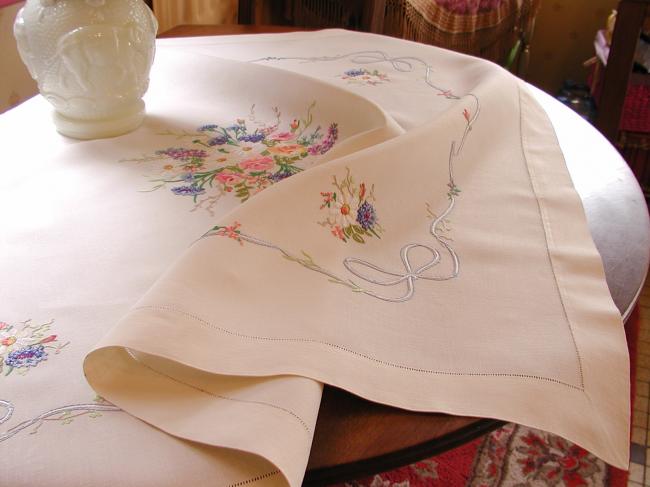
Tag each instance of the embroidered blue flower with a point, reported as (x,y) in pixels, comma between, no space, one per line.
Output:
(188,177)
(280,175)
(366,216)
(218,140)
(192,190)
(179,153)
(355,72)
(29,356)
(208,128)
(256,137)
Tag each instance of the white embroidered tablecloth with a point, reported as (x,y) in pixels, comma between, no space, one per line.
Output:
(418,241)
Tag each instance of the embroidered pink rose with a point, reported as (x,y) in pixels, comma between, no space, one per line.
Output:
(282,136)
(227,177)
(262,163)
(241,158)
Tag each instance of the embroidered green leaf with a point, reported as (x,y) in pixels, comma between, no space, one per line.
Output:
(242,191)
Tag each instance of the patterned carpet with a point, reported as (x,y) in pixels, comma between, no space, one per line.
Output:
(512,456)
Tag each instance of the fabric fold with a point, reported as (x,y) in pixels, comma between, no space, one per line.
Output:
(400,272)
(273,419)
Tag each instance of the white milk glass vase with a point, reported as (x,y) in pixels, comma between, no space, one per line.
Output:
(91,60)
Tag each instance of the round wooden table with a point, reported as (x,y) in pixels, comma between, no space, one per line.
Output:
(355,437)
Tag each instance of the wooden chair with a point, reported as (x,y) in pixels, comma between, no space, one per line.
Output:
(629,22)
(501,35)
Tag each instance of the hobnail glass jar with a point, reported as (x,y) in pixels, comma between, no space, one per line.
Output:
(91,60)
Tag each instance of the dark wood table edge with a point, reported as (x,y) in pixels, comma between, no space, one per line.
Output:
(628,312)
(206,30)
(371,466)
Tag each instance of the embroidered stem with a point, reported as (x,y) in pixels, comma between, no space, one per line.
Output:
(63,413)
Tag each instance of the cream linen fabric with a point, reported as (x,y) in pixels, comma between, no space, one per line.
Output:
(389,319)
(85,235)
(230,346)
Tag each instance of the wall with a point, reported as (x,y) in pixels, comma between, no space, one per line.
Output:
(563,40)
(176,12)
(16,85)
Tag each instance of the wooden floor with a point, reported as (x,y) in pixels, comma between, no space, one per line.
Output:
(640,447)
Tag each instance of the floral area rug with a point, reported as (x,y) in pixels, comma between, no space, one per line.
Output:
(512,456)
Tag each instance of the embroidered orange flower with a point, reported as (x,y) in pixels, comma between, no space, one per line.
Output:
(328,198)
(286,149)
(338,232)
(230,231)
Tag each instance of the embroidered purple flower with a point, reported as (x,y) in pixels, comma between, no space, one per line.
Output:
(192,190)
(351,214)
(241,157)
(355,72)
(29,356)
(361,76)
(208,128)
(182,154)
(218,140)
(327,143)
(366,215)
(256,137)
(280,175)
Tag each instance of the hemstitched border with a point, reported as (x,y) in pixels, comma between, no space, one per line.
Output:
(352,352)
